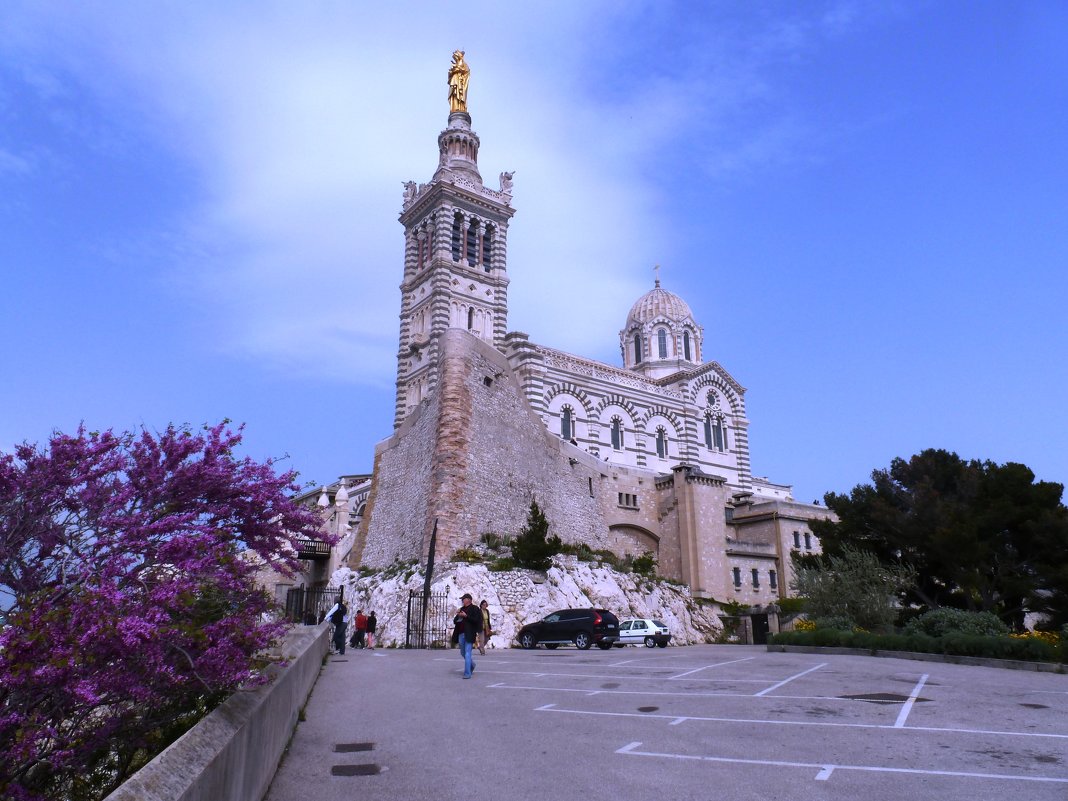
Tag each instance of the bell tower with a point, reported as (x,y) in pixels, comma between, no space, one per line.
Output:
(455,253)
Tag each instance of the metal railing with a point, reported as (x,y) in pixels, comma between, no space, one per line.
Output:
(309,606)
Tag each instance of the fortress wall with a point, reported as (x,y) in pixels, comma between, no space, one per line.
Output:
(494,455)
(473,456)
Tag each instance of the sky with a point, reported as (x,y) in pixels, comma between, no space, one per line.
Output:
(865,204)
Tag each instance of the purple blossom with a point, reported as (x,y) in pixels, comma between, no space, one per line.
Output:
(129,608)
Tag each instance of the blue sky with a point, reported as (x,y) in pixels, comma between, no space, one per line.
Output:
(866,206)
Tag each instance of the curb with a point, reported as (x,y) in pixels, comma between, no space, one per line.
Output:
(977,661)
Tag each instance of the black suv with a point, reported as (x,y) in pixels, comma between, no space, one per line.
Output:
(584,627)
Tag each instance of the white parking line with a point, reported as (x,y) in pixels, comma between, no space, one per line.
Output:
(787,681)
(825,770)
(903,715)
(676,719)
(706,667)
(680,694)
(621,678)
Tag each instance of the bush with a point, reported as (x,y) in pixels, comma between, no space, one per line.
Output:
(837,622)
(495,541)
(645,564)
(944,621)
(956,644)
(466,555)
(582,551)
(502,565)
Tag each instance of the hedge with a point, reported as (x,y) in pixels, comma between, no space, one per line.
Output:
(1029,650)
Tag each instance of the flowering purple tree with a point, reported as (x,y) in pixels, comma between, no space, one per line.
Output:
(127,591)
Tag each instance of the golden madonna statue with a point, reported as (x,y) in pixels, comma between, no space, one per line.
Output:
(459,75)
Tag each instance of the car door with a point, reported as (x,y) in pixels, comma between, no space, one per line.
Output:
(624,631)
(550,627)
(638,631)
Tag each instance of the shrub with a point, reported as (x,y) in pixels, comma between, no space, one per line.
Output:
(940,622)
(502,565)
(956,644)
(645,564)
(837,622)
(495,541)
(466,555)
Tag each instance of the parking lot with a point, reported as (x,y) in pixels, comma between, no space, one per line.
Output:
(682,723)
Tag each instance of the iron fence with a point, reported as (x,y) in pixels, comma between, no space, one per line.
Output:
(429,622)
(309,606)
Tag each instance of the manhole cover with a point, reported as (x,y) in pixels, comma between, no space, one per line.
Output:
(355,770)
(349,748)
(881,698)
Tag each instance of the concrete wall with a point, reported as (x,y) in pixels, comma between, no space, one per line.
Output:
(233,753)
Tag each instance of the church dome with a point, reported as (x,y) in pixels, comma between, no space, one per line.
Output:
(656,304)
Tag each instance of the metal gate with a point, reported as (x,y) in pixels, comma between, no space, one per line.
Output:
(309,606)
(429,620)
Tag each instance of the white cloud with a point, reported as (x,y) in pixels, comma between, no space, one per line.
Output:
(301,125)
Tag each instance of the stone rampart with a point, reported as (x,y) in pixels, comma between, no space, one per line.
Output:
(234,752)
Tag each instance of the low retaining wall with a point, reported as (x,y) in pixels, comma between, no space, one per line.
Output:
(953,659)
(233,753)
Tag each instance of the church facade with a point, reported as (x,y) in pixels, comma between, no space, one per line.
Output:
(650,456)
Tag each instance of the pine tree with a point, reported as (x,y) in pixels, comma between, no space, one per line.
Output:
(534,548)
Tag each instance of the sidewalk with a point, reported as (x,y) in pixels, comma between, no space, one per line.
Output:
(401,720)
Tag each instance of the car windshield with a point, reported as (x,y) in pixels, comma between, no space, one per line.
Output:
(659,623)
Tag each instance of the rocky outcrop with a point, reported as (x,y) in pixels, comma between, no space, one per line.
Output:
(517,597)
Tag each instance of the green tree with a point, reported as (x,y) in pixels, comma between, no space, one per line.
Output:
(534,548)
(854,587)
(980,536)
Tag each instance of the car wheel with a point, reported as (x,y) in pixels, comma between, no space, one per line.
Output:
(605,646)
(583,641)
(662,644)
(528,641)
(650,642)
(552,646)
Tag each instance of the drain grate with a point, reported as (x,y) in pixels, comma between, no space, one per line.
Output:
(881,698)
(355,770)
(349,748)
(648,708)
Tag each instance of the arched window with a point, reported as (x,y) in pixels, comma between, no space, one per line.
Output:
(470,318)
(661,442)
(715,433)
(457,237)
(472,244)
(661,342)
(567,428)
(487,249)
(617,434)
(637,348)
(686,344)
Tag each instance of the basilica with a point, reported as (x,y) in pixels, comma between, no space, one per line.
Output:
(647,456)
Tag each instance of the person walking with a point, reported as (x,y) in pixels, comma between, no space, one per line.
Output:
(372,624)
(484,634)
(359,629)
(471,618)
(339,617)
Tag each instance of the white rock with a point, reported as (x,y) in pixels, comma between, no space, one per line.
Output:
(515,598)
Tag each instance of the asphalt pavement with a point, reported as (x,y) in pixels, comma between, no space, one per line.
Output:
(699,722)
